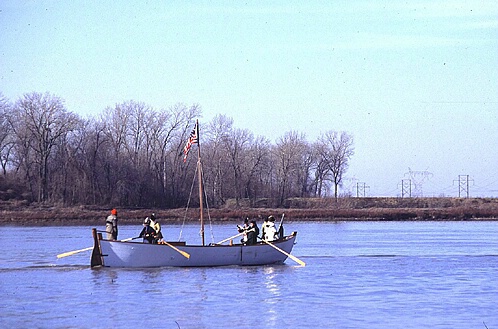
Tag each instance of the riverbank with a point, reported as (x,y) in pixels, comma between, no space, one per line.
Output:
(345,209)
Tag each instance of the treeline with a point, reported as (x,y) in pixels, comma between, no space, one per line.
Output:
(130,155)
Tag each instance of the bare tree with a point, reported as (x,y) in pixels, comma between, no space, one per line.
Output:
(6,138)
(136,133)
(64,178)
(335,149)
(128,155)
(256,163)
(236,144)
(216,163)
(94,154)
(181,122)
(289,153)
(135,153)
(139,148)
(304,172)
(117,122)
(40,121)
(322,172)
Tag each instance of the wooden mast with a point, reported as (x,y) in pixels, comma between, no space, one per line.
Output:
(199,177)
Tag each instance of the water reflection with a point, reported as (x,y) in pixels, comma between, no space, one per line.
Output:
(104,276)
(271,285)
(273,295)
(150,276)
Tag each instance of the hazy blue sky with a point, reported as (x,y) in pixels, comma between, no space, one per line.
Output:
(415,82)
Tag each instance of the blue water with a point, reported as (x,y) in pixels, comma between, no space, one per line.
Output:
(357,275)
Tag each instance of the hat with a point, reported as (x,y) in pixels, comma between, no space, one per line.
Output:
(271,218)
(114,212)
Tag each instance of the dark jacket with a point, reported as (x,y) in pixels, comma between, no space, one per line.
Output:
(148,234)
(252,235)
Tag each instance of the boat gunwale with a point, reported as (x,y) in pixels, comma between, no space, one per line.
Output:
(184,244)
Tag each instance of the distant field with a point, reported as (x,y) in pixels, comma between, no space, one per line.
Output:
(388,209)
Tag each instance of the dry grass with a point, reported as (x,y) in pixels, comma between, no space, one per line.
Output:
(387,209)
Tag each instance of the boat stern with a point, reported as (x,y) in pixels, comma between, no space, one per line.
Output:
(96,258)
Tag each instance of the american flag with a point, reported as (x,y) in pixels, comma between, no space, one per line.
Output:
(193,139)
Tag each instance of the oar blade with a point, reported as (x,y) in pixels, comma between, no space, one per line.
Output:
(297,260)
(183,253)
(294,258)
(70,253)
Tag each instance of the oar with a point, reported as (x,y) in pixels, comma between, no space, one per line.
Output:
(70,253)
(185,254)
(230,238)
(294,258)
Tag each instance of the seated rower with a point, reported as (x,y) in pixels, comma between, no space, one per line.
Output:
(148,233)
(154,223)
(243,229)
(252,233)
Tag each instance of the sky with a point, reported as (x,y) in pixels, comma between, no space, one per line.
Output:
(414,82)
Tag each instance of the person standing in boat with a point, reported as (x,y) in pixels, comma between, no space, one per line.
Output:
(111,225)
(252,233)
(154,223)
(148,233)
(263,227)
(270,232)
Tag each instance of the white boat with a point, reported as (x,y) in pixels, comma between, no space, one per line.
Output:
(180,254)
(136,254)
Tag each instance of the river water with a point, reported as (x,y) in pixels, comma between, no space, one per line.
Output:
(357,275)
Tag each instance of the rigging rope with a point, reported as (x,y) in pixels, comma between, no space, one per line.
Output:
(188,205)
(207,207)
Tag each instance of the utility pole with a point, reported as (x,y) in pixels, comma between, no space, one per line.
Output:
(360,189)
(463,185)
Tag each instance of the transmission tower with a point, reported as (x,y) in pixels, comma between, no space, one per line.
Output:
(361,189)
(463,185)
(406,188)
(349,185)
(418,178)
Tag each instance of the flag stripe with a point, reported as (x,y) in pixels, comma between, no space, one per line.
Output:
(193,139)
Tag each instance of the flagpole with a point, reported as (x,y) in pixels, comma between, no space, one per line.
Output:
(199,177)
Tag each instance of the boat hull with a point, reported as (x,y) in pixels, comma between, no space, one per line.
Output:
(137,254)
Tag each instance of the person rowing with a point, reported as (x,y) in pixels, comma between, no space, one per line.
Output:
(252,233)
(243,229)
(148,233)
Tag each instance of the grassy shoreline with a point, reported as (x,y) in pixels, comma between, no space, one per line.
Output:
(347,209)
